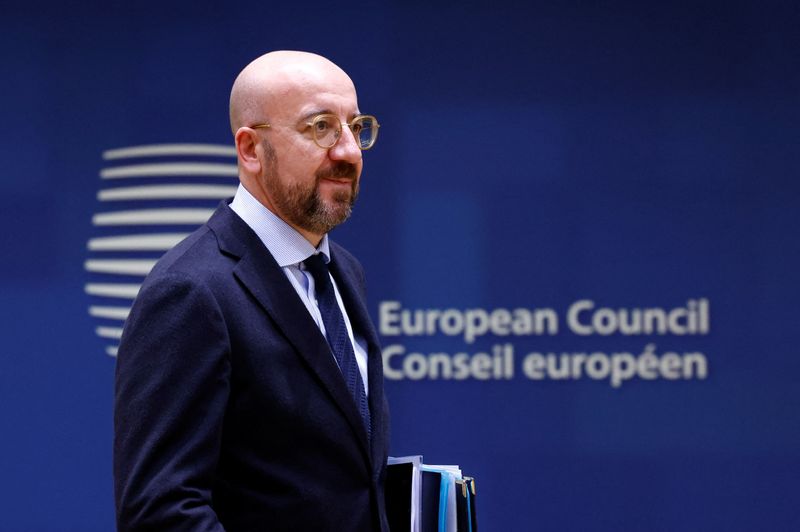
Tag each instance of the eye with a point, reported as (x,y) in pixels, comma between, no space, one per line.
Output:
(323,124)
(356,127)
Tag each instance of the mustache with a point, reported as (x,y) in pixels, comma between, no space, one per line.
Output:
(341,170)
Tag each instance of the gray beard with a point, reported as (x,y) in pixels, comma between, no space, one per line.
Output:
(302,205)
(306,209)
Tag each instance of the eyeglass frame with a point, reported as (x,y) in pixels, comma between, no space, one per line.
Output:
(349,125)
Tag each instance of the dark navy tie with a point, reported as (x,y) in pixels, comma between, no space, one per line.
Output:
(336,331)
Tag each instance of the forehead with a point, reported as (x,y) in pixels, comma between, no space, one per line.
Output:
(306,91)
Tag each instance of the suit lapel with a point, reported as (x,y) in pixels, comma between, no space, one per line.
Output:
(266,281)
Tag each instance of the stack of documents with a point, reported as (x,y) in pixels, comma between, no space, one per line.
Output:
(429,498)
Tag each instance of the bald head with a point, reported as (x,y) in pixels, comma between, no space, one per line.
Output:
(281,164)
(274,76)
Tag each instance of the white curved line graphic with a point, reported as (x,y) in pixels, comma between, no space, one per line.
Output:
(111,350)
(167,192)
(170,169)
(155,242)
(120,267)
(153,217)
(121,290)
(170,149)
(112,313)
(109,332)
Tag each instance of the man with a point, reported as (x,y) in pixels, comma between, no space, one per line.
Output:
(249,388)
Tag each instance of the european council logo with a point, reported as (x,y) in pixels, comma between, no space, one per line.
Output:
(150,198)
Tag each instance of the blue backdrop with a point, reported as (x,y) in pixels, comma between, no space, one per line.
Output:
(531,156)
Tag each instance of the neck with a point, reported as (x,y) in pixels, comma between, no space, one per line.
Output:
(313,238)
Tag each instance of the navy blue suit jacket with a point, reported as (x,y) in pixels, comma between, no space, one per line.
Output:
(230,411)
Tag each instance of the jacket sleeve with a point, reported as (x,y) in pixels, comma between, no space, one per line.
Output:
(172,387)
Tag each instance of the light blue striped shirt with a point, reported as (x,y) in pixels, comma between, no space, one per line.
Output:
(290,249)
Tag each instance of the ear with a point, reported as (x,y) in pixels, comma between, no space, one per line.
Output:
(246,150)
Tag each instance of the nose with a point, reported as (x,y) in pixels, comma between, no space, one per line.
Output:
(346,149)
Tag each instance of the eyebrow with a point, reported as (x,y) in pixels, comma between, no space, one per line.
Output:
(316,112)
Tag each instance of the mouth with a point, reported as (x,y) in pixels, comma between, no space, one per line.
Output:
(339,180)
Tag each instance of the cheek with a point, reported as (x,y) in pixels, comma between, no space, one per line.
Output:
(300,152)
(299,167)
(303,148)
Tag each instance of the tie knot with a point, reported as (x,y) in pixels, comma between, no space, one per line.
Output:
(319,270)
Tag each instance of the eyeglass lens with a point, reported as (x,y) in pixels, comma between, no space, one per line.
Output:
(327,130)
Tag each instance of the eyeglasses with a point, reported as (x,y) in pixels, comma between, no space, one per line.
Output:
(327,129)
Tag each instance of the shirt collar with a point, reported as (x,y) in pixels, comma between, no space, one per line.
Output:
(286,245)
